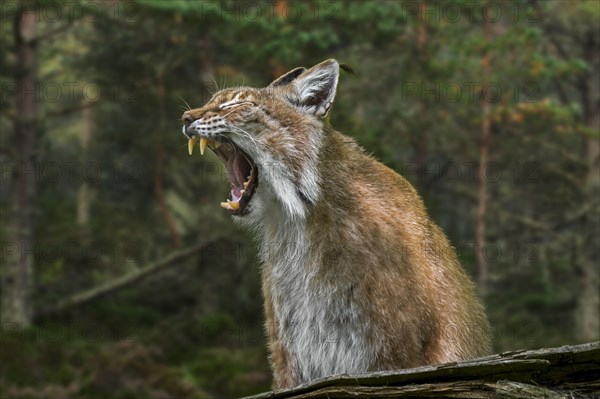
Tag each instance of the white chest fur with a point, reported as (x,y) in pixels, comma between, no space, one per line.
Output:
(319,325)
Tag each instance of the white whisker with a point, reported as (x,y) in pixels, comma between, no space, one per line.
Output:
(241,132)
(216,84)
(186,104)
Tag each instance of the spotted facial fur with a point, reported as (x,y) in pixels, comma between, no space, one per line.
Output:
(271,135)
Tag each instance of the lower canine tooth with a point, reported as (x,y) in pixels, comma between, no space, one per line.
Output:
(230,205)
(203,142)
(216,144)
(246,184)
(191,143)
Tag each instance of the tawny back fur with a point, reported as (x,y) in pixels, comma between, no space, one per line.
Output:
(356,277)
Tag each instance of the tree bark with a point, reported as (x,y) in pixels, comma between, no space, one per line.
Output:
(84,193)
(588,307)
(565,372)
(280,8)
(482,266)
(421,141)
(159,166)
(18,251)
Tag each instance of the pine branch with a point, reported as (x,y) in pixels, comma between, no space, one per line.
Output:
(122,282)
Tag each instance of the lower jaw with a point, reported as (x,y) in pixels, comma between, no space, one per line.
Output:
(238,164)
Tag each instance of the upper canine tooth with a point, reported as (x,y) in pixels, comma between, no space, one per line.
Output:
(234,205)
(203,142)
(191,143)
(246,184)
(225,205)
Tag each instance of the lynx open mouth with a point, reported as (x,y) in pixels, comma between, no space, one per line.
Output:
(241,172)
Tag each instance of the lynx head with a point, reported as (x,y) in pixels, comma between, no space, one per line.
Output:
(269,140)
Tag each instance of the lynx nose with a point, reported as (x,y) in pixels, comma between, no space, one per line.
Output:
(187,118)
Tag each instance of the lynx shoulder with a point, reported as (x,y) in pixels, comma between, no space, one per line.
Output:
(356,276)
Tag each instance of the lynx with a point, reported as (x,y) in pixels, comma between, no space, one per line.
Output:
(355,275)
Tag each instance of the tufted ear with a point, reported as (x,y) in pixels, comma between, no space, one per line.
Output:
(314,90)
(288,77)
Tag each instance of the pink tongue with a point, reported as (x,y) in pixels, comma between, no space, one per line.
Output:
(236,194)
(238,170)
(235,172)
(232,172)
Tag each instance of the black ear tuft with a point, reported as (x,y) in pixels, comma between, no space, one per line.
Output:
(288,77)
(348,68)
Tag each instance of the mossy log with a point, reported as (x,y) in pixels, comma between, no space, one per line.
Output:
(565,372)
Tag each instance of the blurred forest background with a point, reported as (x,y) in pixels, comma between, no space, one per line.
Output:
(123,278)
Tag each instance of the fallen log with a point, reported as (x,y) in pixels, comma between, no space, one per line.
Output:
(565,372)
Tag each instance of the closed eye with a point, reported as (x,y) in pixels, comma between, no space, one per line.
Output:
(229,104)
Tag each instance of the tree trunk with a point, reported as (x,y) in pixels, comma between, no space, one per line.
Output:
(84,194)
(159,166)
(588,307)
(421,142)
(482,266)
(280,8)
(18,251)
